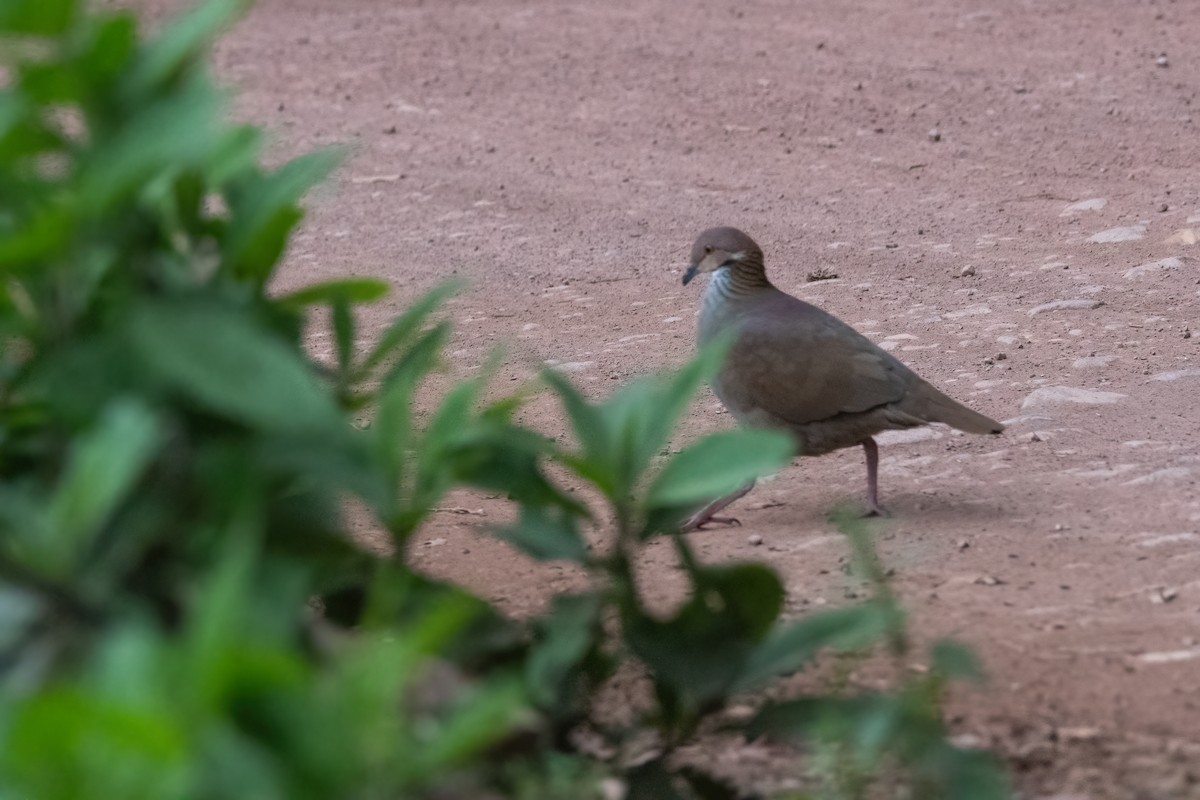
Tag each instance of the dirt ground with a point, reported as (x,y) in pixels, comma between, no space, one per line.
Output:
(958,164)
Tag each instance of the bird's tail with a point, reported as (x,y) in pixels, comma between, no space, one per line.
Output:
(933,406)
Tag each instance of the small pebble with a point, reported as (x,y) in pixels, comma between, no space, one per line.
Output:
(754,539)
(1165,595)
(1129,233)
(1162,61)
(967,271)
(1045,396)
(1081,304)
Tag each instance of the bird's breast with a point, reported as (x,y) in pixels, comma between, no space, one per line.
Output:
(717,309)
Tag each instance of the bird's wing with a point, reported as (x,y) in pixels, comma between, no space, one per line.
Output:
(801,364)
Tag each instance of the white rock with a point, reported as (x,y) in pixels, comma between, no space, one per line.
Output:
(1091,204)
(907,436)
(572,366)
(1066,305)
(1130,233)
(895,337)
(1176,374)
(1170,656)
(1153,266)
(1187,236)
(1092,362)
(1055,395)
(1168,538)
(1025,419)
(1165,475)
(1111,472)
(969,311)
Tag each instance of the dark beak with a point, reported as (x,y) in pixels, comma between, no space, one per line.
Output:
(691,273)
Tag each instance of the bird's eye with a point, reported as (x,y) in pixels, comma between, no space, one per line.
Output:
(708,249)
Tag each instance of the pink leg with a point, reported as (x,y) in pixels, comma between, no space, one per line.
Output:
(872,451)
(708,513)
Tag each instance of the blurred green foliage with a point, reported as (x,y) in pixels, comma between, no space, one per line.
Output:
(183,612)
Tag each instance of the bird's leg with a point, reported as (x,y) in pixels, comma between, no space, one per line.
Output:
(708,513)
(872,451)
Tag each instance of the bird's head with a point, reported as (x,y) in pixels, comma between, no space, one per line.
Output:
(718,248)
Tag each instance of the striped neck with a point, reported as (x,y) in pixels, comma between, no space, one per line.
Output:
(740,279)
(727,288)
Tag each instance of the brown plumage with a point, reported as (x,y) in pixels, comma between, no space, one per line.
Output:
(796,367)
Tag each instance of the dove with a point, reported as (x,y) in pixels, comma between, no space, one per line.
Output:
(797,368)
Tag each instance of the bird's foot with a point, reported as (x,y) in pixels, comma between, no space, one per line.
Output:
(694,524)
(709,512)
(875,512)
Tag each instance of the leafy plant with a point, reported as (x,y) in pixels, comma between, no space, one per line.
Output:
(183,612)
(729,637)
(173,465)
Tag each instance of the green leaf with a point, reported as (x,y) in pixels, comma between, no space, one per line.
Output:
(955,660)
(52,83)
(547,534)
(351,290)
(567,634)
(113,43)
(483,717)
(406,326)
(452,417)
(70,742)
(805,718)
(392,429)
(234,152)
(652,781)
(642,416)
(969,775)
(104,467)
(218,358)
(163,137)
(220,612)
(698,655)
(708,787)
(41,236)
(182,43)
(37,17)
(343,333)
(597,463)
(264,211)
(790,648)
(718,464)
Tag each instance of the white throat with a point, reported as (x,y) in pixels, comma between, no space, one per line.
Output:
(715,306)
